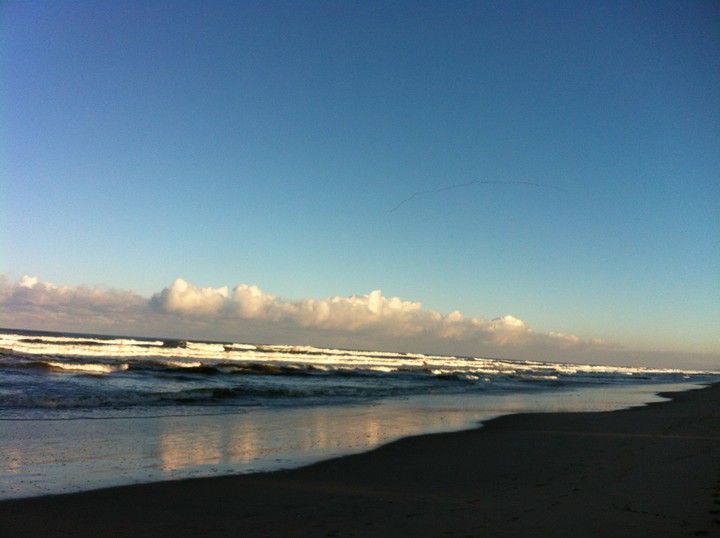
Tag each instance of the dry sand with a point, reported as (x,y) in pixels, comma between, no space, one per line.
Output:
(650,471)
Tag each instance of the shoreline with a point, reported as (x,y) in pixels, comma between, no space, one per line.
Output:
(60,455)
(644,471)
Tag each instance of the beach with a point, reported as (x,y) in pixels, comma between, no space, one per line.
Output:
(644,471)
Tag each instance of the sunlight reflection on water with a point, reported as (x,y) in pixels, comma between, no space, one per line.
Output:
(56,456)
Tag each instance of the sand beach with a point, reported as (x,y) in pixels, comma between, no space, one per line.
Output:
(647,471)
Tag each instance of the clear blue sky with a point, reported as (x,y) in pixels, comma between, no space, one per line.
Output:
(268,142)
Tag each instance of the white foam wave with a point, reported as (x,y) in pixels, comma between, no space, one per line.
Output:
(196,354)
(182,364)
(91,368)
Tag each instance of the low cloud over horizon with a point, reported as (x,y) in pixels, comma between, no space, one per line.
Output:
(246,313)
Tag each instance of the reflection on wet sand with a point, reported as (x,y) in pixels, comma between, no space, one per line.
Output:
(55,456)
(182,449)
(272,439)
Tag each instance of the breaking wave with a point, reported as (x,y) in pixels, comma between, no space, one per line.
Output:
(66,372)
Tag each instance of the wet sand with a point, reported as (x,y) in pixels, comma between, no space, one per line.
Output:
(649,471)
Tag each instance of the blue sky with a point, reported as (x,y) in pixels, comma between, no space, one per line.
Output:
(267,143)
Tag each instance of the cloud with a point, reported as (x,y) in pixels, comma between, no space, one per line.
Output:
(188,299)
(351,314)
(30,301)
(247,313)
(369,315)
(29,291)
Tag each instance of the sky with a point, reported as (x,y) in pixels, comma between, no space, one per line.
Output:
(515,179)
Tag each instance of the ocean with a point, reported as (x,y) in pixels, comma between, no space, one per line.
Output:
(80,412)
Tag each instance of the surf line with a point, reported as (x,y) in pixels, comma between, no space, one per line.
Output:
(473,182)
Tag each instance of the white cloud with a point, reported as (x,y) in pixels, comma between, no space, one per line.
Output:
(29,282)
(359,313)
(251,302)
(371,315)
(247,313)
(189,299)
(34,303)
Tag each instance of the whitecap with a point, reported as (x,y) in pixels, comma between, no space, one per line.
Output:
(90,368)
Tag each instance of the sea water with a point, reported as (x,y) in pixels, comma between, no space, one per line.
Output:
(80,412)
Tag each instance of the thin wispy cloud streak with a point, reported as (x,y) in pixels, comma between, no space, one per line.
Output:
(470,184)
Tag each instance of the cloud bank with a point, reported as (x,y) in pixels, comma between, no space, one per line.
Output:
(371,314)
(31,302)
(248,314)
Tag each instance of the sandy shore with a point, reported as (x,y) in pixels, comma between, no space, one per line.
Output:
(651,471)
